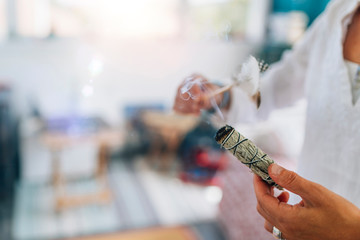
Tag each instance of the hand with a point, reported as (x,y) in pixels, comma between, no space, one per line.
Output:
(321,214)
(192,95)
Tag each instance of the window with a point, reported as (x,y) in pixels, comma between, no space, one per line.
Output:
(194,19)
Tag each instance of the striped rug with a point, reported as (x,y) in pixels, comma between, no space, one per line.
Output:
(143,198)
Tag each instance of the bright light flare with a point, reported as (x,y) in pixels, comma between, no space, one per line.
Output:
(87,91)
(213,194)
(96,67)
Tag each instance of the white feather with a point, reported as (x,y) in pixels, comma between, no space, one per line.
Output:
(249,76)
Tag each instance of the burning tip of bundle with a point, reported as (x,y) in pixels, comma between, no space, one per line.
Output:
(223,133)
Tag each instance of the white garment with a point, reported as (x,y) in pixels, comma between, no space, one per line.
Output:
(315,69)
(354,77)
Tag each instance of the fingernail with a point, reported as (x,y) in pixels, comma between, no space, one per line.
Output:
(276,170)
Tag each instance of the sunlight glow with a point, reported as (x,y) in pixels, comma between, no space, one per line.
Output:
(213,194)
(87,91)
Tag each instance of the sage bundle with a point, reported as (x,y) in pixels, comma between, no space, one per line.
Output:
(246,151)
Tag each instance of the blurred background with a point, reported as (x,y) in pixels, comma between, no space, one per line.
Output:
(89,148)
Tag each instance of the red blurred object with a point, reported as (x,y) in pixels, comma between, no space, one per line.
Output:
(204,166)
(211,159)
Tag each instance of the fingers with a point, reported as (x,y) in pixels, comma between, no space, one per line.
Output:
(185,107)
(262,190)
(292,182)
(289,219)
(274,210)
(284,197)
(270,207)
(262,193)
(268,226)
(193,95)
(189,95)
(185,104)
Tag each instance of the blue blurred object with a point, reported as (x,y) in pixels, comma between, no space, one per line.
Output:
(75,125)
(311,8)
(200,155)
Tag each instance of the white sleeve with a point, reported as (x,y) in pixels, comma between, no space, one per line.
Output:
(281,85)
(284,83)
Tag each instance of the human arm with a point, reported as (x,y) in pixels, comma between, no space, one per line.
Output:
(321,214)
(285,81)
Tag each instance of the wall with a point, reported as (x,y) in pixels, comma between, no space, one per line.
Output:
(52,72)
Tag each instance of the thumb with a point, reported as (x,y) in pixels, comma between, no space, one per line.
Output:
(291,181)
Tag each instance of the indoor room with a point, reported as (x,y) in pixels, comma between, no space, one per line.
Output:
(93,145)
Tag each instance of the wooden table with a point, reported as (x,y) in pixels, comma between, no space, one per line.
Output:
(57,142)
(167,129)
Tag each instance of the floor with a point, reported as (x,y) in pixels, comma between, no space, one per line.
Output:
(204,230)
(142,198)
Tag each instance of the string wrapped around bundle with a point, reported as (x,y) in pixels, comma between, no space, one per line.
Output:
(246,151)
